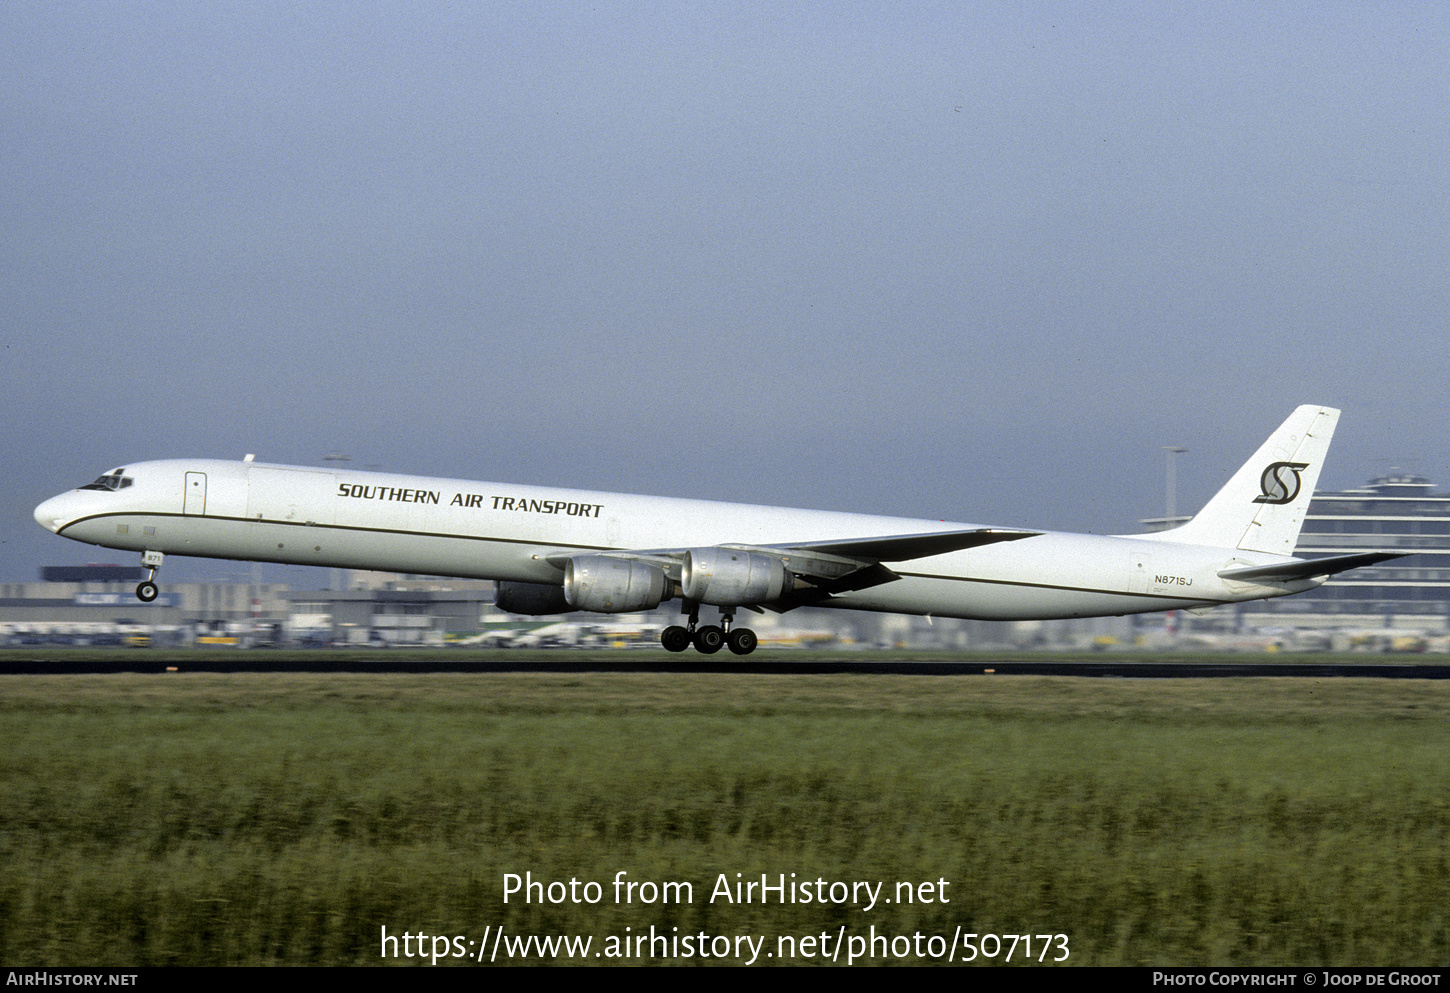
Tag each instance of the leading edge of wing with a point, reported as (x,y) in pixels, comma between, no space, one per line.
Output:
(902,547)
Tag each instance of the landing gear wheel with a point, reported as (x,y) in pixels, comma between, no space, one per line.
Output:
(675,638)
(709,639)
(146,592)
(742,641)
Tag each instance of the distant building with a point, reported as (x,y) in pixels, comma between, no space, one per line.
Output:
(1395,513)
(380,609)
(91,604)
(113,600)
(92,573)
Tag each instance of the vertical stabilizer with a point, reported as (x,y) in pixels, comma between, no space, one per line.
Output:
(1263,506)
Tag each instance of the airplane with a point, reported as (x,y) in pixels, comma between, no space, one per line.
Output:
(552,550)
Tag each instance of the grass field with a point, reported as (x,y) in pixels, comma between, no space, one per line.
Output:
(253,819)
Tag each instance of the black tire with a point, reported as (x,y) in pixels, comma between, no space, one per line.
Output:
(742,641)
(146,592)
(709,639)
(675,638)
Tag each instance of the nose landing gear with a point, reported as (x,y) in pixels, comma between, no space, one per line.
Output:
(147,591)
(708,639)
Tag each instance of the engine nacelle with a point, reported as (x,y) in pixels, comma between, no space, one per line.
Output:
(530,598)
(729,577)
(614,586)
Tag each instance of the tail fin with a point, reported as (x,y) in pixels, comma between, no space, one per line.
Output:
(1262,507)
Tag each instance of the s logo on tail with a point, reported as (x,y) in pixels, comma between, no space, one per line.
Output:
(1276,489)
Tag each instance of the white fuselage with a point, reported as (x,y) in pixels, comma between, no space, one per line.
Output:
(508,532)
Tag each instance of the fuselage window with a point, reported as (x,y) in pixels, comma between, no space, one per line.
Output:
(110,481)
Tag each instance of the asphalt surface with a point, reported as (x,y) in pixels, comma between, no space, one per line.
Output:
(581,662)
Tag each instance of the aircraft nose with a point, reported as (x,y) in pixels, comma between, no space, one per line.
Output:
(51,514)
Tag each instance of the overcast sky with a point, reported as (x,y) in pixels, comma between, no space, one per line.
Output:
(973,261)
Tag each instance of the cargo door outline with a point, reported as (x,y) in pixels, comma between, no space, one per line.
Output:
(1140,568)
(289,496)
(193,501)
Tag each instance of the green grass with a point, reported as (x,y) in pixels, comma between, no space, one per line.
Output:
(251,819)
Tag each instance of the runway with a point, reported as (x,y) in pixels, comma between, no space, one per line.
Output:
(604,662)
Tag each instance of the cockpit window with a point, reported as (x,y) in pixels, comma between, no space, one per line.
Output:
(113,480)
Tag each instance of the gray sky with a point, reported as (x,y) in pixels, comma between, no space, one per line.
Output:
(975,261)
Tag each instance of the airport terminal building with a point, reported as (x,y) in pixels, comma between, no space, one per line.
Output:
(96,604)
(1398,512)
(1394,513)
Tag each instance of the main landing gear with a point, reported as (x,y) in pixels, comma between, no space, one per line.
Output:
(147,591)
(708,639)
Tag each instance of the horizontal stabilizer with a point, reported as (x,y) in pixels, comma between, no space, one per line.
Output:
(1308,568)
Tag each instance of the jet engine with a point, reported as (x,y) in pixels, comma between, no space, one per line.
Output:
(530,598)
(728,577)
(614,586)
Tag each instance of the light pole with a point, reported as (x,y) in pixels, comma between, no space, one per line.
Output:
(1170,619)
(1171,498)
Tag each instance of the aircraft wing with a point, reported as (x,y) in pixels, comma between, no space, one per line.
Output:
(839,565)
(858,563)
(902,547)
(1308,568)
